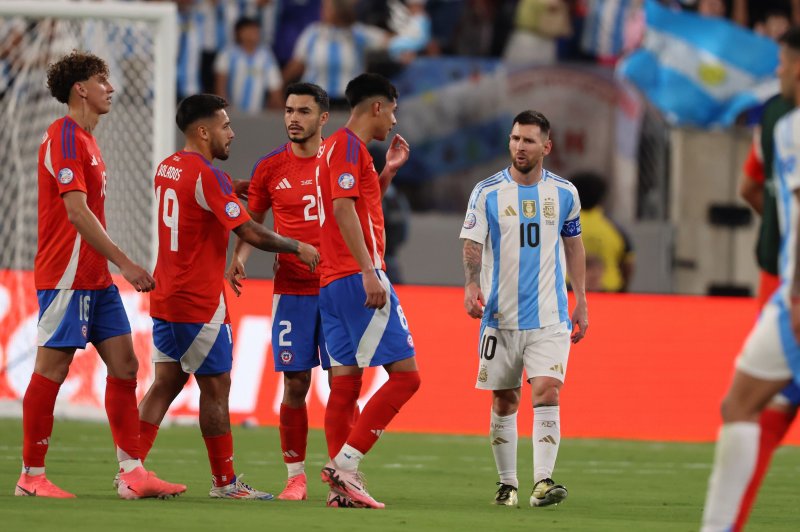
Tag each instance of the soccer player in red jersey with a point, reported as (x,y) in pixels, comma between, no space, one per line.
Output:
(77,300)
(197,209)
(285,181)
(362,319)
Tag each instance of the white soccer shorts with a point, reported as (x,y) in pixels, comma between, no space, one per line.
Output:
(503,353)
(764,353)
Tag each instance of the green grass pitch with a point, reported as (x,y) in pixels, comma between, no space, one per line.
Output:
(428,482)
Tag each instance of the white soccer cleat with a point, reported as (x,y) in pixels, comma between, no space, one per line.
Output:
(238,490)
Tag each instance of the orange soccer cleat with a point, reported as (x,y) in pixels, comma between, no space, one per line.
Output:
(39,486)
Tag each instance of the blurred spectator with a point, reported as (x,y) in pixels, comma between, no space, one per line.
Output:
(774,24)
(396,212)
(291,18)
(476,29)
(227,12)
(612,28)
(247,74)
(609,253)
(537,25)
(333,51)
(193,39)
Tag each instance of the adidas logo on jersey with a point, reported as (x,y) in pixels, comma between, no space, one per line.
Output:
(377,432)
(284,184)
(509,211)
(94,160)
(290,454)
(548,439)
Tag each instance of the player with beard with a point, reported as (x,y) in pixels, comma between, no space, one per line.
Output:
(285,181)
(197,209)
(523,227)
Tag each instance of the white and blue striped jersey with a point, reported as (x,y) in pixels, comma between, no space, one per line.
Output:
(250,76)
(524,266)
(787,171)
(192,40)
(333,56)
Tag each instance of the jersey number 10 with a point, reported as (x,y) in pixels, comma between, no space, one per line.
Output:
(529,234)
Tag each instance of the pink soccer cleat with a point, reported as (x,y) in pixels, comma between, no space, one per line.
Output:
(39,486)
(143,484)
(295,489)
(349,483)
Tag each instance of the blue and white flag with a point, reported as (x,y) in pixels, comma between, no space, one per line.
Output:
(698,70)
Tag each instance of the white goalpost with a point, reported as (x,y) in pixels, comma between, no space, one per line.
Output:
(139,42)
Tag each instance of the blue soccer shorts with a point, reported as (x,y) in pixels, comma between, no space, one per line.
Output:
(359,336)
(297,333)
(201,348)
(72,318)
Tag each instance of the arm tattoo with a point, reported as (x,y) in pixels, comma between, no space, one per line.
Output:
(473,254)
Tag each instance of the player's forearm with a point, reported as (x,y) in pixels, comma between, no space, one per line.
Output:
(241,248)
(576,267)
(472,256)
(264,239)
(93,233)
(385,179)
(344,211)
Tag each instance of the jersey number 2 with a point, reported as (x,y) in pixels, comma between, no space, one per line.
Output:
(170,214)
(312,202)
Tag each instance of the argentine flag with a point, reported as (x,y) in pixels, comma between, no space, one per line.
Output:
(701,71)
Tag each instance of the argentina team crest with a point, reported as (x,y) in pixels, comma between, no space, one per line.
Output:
(529,208)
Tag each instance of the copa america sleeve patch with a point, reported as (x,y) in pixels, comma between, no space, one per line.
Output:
(65,176)
(232,209)
(470,220)
(571,228)
(346,181)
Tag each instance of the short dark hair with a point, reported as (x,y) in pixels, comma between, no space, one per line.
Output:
(791,38)
(70,69)
(591,187)
(367,86)
(310,89)
(196,107)
(243,22)
(533,118)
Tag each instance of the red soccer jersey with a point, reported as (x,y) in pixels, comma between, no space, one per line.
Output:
(69,159)
(346,171)
(197,208)
(287,184)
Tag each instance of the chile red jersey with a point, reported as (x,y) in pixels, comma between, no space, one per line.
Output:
(346,171)
(197,208)
(69,160)
(287,184)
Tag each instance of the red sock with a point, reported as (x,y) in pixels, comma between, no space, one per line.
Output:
(220,456)
(123,415)
(382,408)
(294,433)
(339,412)
(147,436)
(774,425)
(37,419)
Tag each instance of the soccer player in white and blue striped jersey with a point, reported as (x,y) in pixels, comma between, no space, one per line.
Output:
(522,235)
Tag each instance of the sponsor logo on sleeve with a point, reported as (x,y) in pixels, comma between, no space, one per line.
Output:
(232,209)
(470,220)
(347,181)
(65,176)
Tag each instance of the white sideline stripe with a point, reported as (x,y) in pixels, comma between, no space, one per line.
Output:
(68,276)
(53,315)
(198,194)
(377,325)
(201,346)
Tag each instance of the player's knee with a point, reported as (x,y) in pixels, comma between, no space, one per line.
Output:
(546,397)
(409,380)
(733,409)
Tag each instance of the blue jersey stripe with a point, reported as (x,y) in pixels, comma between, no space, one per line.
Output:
(529,259)
(494,180)
(561,289)
(247,91)
(64,126)
(71,140)
(492,306)
(273,153)
(223,182)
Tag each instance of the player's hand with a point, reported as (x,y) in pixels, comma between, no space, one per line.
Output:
(235,275)
(139,278)
(308,255)
(240,187)
(795,316)
(474,300)
(397,154)
(580,322)
(376,293)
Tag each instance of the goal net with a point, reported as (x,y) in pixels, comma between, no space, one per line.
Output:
(138,41)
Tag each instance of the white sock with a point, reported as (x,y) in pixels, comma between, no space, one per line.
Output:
(296,468)
(33,471)
(734,462)
(348,458)
(546,439)
(129,465)
(503,436)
